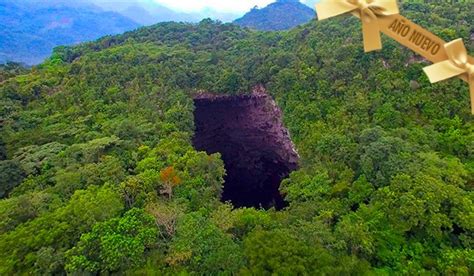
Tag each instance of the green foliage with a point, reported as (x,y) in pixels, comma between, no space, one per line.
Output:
(203,248)
(240,222)
(56,231)
(11,175)
(279,252)
(306,187)
(118,243)
(11,69)
(200,176)
(34,158)
(20,209)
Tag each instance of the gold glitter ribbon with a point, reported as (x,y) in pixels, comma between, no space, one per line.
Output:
(367,10)
(459,63)
(450,59)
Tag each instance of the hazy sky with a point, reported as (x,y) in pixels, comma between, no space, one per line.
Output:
(219,5)
(235,6)
(228,6)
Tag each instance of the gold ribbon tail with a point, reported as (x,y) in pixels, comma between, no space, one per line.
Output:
(367,10)
(442,71)
(445,70)
(371,35)
(457,64)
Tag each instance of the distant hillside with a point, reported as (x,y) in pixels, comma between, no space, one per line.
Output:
(30,30)
(145,12)
(153,15)
(281,15)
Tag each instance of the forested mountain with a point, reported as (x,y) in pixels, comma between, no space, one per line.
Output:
(281,15)
(98,173)
(29,30)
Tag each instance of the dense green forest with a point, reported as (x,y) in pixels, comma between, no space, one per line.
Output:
(98,173)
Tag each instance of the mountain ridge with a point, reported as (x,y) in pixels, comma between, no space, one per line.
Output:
(280,15)
(29,32)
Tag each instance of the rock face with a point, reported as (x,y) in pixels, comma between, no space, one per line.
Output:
(256,148)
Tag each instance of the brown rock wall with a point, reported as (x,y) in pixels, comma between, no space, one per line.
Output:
(256,148)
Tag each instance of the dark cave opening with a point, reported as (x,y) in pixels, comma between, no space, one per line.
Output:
(255,146)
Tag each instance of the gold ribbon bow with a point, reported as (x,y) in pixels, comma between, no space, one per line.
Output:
(458,64)
(367,10)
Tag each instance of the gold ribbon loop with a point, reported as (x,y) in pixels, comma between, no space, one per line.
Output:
(367,10)
(458,63)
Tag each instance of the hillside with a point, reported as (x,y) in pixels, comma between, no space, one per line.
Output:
(281,15)
(100,172)
(30,30)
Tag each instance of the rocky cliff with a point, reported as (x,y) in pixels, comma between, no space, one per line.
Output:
(257,150)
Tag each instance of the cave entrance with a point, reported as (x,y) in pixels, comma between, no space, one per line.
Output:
(255,146)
